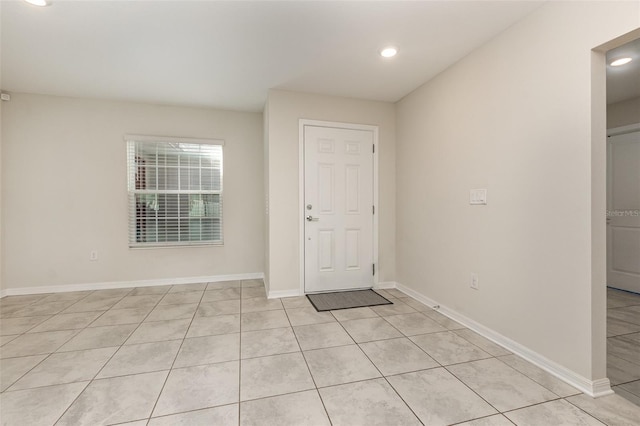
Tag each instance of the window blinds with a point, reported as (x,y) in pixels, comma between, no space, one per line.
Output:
(175,191)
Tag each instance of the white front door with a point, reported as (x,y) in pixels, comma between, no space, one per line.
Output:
(338,208)
(623,216)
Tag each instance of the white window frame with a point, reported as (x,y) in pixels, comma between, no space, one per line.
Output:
(131,143)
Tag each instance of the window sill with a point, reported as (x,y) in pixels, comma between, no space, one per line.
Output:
(175,245)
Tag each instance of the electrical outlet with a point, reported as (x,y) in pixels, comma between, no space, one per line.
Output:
(474,281)
(93,255)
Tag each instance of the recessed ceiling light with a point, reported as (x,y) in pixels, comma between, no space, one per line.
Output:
(39,2)
(388,52)
(620,61)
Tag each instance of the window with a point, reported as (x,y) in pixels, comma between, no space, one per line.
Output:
(175,191)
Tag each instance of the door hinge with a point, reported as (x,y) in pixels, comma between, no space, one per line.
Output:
(373,209)
(373,267)
(374,149)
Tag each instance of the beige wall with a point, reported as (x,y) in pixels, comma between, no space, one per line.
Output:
(1,190)
(514,117)
(65,191)
(285,110)
(623,113)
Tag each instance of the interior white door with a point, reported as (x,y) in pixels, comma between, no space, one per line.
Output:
(338,200)
(623,216)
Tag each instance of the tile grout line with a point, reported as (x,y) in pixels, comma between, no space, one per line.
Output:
(120,346)
(587,413)
(240,360)
(624,334)
(524,375)
(240,356)
(306,363)
(97,379)
(111,357)
(380,372)
(497,357)
(423,350)
(166,379)
(392,387)
(73,304)
(48,355)
(629,301)
(435,360)
(446,369)
(621,385)
(34,303)
(8,388)
(148,420)
(492,356)
(484,417)
(26,305)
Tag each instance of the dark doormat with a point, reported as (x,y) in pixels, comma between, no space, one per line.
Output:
(346,300)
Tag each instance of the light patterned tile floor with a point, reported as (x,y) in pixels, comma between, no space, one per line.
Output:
(623,343)
(221,353)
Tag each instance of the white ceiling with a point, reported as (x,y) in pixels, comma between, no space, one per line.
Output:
(623,82)
(228,54)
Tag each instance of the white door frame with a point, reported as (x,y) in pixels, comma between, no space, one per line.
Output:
(301,209)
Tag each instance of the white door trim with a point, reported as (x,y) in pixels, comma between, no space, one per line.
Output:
(301,210)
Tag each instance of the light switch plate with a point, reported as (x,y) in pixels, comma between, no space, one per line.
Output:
(478,196)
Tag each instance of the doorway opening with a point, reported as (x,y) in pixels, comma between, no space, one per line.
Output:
(623,221)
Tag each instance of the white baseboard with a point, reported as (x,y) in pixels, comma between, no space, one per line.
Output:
(385,284)
(126,284)
(277,294)
(601,387)
(3,293)
(593,388)
(267,285)
(294,293)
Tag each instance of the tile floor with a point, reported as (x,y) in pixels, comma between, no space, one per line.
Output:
(623,343)
(223,354)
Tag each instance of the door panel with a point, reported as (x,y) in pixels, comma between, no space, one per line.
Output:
(352,189)
(626,244)
(339,199)
(623,216)
(326,250)
(326,188)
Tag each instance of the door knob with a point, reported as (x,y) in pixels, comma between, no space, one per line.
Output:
(312,219)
